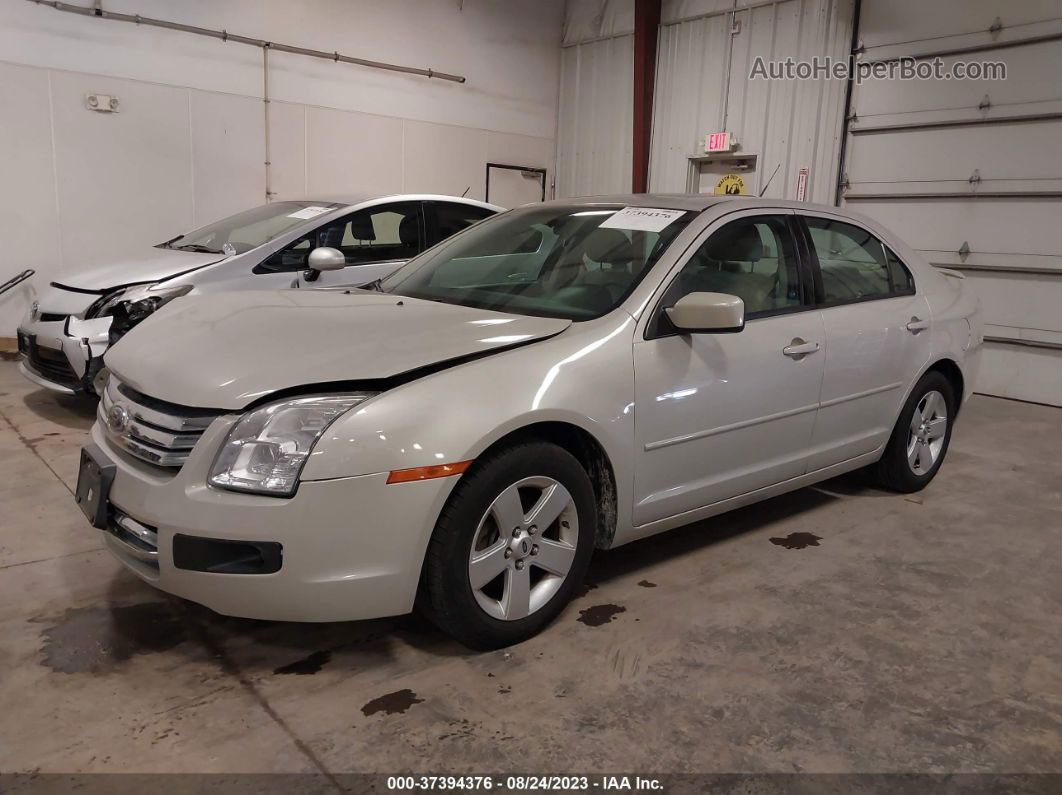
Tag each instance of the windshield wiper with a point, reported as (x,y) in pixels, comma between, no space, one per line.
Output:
(376,285)
(199,249)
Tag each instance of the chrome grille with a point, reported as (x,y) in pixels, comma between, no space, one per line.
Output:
(152,430)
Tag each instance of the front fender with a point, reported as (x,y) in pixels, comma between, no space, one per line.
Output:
(583,377)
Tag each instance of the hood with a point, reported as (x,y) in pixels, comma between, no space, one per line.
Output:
(152,266)
(226,350)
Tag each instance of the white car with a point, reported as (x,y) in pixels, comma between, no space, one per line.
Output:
(351,241)
(561,378)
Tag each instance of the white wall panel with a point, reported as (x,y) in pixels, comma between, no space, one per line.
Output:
(29,217)
(352,152)
(124,178)
(507,50)
(442,159)
(287,149)
(228,153)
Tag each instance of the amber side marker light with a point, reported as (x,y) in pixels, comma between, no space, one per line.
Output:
(427,473)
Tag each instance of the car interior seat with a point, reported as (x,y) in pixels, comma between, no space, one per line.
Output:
(725,264)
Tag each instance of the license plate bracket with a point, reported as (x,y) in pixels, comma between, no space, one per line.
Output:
(94,478)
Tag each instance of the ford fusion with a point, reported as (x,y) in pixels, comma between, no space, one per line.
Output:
(353,241)
(561,378)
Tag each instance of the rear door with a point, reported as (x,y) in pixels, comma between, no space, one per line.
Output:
(723,414)
(877,337)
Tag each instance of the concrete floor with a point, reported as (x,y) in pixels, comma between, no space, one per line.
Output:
(917,633)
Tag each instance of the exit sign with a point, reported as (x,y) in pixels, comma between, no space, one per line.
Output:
(718,142)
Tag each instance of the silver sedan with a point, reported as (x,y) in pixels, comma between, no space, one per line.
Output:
(564,377)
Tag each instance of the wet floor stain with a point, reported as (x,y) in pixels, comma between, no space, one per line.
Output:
(392,703)
(599,614)
(97,639)
(505,690)
(647,584)
(798,540)
(308,665)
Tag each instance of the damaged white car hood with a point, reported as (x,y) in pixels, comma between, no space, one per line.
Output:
(228,350)
(154,265)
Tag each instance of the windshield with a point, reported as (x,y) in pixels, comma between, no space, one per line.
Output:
(576,262)
(249,229)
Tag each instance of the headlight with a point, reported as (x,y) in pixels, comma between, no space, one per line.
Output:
(267,448)
(138,299)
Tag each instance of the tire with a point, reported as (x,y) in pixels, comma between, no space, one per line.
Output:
(913,455)
(470,542)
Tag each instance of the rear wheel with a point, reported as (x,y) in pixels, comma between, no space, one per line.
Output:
(511,545)
(920,438)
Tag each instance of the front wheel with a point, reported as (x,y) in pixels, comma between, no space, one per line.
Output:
(511,545)
(920,438)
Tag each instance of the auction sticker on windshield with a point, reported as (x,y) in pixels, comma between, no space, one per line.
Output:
(306,213)
(642,219)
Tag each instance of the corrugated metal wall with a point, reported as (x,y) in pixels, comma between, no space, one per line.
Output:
(703,86)
(596,117)
(970,172)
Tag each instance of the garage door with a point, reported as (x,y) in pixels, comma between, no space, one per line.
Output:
(969,172)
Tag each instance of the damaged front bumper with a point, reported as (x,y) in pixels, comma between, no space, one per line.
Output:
(65,356)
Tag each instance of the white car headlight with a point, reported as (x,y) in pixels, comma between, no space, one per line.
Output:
(146,297)
(267,448)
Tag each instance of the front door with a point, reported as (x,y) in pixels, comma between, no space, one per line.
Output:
(719,415)
(375,242)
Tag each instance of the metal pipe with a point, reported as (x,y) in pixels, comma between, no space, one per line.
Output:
(224,35)
(846,123)
(265,117)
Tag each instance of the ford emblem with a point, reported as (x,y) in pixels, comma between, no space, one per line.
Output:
(118,418)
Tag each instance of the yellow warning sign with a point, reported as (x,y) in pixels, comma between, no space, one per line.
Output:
(730,184)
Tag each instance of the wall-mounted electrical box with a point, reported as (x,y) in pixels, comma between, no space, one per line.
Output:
(104,103)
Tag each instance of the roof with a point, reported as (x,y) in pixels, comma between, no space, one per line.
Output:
(691,201)
(358,198)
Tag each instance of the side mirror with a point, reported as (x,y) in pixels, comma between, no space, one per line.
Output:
(325,258)
(708,312)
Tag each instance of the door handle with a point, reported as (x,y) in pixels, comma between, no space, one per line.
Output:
(798,348)
(917,325)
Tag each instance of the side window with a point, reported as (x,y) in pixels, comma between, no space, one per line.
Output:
(452,218)
(902,281)
(376,234)
(852,261)
(753,258)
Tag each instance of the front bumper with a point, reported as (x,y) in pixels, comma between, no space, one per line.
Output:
(63,355)
(352,548)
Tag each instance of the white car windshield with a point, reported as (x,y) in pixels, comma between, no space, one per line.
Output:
(249,229)
(576,262)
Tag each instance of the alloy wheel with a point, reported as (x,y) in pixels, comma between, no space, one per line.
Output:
(929,425)
(523,548)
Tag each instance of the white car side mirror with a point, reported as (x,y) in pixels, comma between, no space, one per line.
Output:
(708,312)
(326,258)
